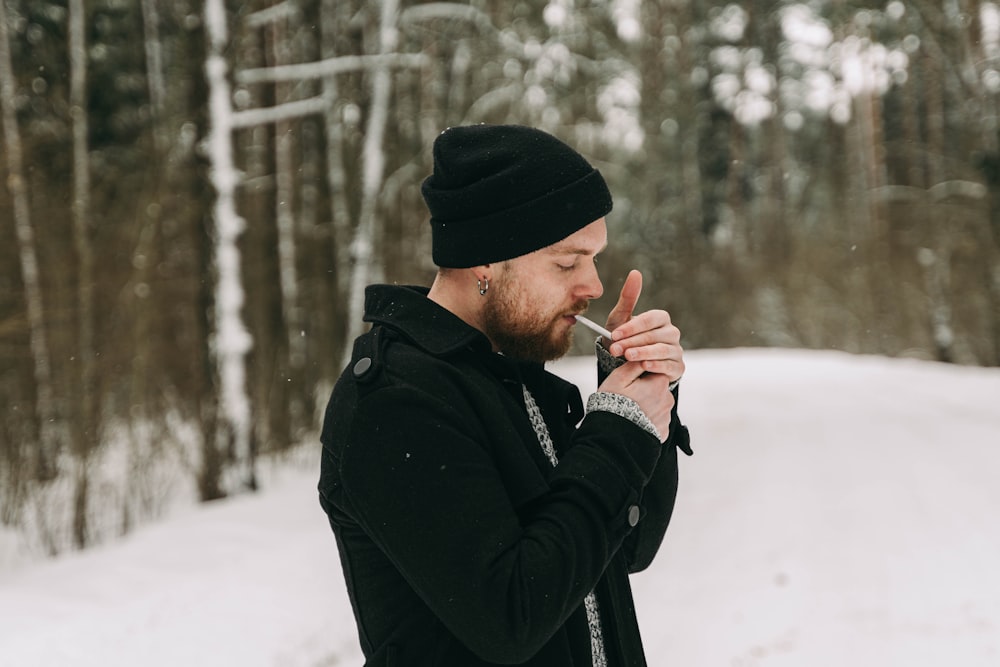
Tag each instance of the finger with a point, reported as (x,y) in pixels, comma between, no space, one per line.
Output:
(659,337)
(628,373)
(658,382)
(627,300)
(654,352)
(671,368)
(651,320)
(669,335)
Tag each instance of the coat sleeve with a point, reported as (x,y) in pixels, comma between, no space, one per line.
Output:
(658,497)
(423,484)
(660,494)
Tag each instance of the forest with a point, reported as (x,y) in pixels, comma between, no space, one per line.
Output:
(196,193)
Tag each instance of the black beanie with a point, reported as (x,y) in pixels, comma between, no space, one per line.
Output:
(502,191)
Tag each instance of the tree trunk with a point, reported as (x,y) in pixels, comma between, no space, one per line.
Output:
(285,219)
(335,14)
(373,161)
(937,263)
(48,420)
(85,427)
(231,340)
(154,72)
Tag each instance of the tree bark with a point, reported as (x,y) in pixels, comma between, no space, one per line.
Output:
(85,426)
(154,72)
(231,340)
(285,219)
(47,415)
(373,161)
(334,14)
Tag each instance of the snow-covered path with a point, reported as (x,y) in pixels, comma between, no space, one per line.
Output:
(839,510)
(251,581)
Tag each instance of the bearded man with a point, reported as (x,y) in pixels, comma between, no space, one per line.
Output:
(483,515)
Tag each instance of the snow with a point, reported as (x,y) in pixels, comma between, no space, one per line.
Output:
(838,510)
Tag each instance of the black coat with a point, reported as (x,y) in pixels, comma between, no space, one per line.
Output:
(460,543)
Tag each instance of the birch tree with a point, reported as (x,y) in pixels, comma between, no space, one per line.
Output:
(231,340)
(142,414)
(155,82)
(45,407)
(373,166)
(354,246)
(286,221)
(334,13)
(85,427)
(226,178)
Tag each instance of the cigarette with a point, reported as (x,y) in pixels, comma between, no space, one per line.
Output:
(593,326)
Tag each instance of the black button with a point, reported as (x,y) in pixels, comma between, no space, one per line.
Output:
(362,366)
(633,515)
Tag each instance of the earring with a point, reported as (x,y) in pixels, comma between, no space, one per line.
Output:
(483,285)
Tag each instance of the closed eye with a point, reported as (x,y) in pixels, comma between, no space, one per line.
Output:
(574,264)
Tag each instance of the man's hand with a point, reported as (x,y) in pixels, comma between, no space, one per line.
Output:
(649,338)
(649,390)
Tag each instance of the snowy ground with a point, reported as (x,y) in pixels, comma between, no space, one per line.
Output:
(839,510)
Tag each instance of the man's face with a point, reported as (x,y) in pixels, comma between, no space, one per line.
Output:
(529,308)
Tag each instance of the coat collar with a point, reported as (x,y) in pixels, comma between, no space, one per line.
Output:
(437,330)
(429,326)
(440,332)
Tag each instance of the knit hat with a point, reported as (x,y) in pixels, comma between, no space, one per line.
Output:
(502,191)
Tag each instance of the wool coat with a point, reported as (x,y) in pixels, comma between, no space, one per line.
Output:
(461,545)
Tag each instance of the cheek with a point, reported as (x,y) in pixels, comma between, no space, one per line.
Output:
(546,299)
(542,297)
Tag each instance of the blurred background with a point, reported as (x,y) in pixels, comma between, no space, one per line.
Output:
(196,193)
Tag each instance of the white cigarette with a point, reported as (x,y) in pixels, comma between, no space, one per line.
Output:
(593,326)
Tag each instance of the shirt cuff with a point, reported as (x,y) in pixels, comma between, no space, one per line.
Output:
(623,406)
(605,361)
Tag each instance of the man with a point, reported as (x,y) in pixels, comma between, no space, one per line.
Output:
(482,515)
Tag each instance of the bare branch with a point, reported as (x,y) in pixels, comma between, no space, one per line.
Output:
(959,189)
(277,12)
(279,112)
(329,67)
(455,11)
(951,189)
(492,100)
(447,10)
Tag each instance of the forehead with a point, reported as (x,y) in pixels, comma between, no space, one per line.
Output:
(589,240)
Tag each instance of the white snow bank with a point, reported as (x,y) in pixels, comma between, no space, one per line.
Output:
(839,510)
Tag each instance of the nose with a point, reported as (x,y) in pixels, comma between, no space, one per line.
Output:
(592,286)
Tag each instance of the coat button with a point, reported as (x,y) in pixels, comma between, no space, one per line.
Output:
(362,366)
(633,515)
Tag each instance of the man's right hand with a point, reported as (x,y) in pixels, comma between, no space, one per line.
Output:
(651,391)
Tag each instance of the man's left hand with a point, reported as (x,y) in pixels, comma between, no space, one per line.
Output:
(649,337)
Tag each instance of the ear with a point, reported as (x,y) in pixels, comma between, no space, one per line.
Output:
(482,272)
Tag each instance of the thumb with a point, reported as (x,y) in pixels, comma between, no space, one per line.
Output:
(622,312)
(628,373)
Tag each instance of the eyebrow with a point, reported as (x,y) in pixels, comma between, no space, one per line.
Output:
(569,250)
